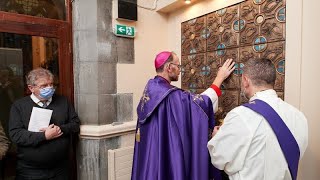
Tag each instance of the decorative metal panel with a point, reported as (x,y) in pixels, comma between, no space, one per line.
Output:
(194,35)
(250,29)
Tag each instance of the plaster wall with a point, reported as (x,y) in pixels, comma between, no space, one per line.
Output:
(151,37)
(309,85)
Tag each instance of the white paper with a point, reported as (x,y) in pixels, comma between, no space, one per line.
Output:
(40,118)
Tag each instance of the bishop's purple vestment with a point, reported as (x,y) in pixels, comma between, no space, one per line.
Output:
(172,134)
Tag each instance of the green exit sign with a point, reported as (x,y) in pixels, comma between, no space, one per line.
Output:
(126,31)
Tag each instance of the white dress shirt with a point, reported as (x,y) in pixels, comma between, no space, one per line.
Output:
(245,146)
(37,101)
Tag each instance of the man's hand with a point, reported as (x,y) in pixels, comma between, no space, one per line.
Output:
(215,130)
(52,132)
(224,71)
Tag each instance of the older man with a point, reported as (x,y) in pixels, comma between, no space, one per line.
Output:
(43,154)
(172,129)
(263,139)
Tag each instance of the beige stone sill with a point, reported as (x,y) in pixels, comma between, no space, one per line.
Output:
(107,131)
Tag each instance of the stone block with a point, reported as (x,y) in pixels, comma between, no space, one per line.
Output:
(84,19)
(89,147)
(88,78)
(92,158)
(88,108)
(125,50)
(106,46)
(107,108)
(85,45)
(88,159)
(107,78)
(124,107)
(104,15)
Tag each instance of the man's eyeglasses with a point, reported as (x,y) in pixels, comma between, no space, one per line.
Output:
(178,65)
(44,85)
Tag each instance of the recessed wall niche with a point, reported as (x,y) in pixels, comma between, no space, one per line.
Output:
(253,28)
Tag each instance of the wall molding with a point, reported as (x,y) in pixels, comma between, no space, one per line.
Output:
(107,131)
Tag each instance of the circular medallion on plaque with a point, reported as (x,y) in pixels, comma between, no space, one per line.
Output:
(192,87)
(191,57)
(193,90)
(223,89)
(205,70)
(205,33)
(221,29)
(238,25)
(238,69)
(258,1)
(193,51)
(221,50)
(182,70)
(192,36)
(183,38)
(281,14)
(260,44)
(221,12)
(192,21)
(259,19)
(280,67)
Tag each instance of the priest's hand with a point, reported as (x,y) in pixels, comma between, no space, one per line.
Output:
(224,71)
(215,130)
(52,132)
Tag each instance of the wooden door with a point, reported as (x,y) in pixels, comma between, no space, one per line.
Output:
(27,42)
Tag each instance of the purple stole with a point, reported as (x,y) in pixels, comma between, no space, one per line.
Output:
(288,144)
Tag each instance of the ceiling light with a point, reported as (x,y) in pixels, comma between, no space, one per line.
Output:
(187,1)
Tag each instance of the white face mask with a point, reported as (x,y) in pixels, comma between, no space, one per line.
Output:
(47,92)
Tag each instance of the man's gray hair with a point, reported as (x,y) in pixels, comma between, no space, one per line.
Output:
(35,74)
(261,71)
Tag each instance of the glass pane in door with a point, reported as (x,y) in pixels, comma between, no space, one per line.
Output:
(18,55)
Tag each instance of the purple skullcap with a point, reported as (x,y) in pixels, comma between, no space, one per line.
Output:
(161,58)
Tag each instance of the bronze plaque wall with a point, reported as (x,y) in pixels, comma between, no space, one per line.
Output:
(253,28)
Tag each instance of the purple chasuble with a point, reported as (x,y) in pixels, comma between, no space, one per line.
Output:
(173,126)
(285,138)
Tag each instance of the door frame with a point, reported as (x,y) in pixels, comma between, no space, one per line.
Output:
(51,28)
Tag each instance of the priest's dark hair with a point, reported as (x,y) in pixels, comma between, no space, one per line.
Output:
(261,71)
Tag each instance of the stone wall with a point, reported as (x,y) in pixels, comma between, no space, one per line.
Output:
(96,54)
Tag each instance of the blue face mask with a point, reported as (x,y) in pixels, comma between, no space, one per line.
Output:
(47,92)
